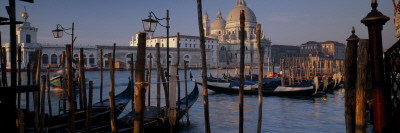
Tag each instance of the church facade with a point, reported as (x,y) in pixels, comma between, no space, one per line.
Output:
(228,34)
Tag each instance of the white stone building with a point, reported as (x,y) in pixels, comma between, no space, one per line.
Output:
(191,42)
(51,53)
(227,33)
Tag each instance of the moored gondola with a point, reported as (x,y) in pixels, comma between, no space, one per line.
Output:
(151,122)
(100,114)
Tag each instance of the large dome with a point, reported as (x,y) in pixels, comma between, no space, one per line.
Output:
(218,23)
(234,15)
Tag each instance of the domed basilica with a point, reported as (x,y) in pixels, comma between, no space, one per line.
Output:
(227,33)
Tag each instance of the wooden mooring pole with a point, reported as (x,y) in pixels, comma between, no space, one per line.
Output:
(140,84)
(260,76)
(178,82)
(80,69)
(204,69)
(226,65)
(3,66)
(186,94)
(273,66)
(132,84)
(375,21)
(37,94)
(217,63)
(158,57)
(361,101)
(64,82)
(42,104)
(172,101)
(71,95)
(19,75)
(20,121)
(149,82)
(236,69)
(28,74)
(350,80)
(283,71)
(241,76)
(48,92)
(82,78)
(89,109)
(101,75)
(113,116)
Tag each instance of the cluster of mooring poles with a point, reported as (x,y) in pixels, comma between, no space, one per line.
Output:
(293,70)
(364,59)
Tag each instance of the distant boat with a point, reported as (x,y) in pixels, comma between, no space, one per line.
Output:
(56,78)
(271,86)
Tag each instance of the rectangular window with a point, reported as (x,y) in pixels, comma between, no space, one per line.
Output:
(190,45)
(194,45)
(28,38)
(186,45)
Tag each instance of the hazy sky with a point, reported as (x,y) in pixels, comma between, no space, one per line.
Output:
(286,22)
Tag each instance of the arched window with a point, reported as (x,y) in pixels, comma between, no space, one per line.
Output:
(76,57)
(223,48)
(45,59)
(149,55)
(186,57)
(128,56)
(53,59)
(84,59)
(170,58)
(91,59)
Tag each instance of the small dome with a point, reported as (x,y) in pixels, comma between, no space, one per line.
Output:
(234,15)
(218,23)
(25,15)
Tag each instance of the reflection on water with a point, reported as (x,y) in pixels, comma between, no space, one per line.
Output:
(280,114)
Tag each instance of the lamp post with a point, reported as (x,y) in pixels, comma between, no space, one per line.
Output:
(149,25)
(58,33)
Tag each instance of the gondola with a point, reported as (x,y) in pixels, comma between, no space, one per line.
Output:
(151,122)
(100,113)
(271,86)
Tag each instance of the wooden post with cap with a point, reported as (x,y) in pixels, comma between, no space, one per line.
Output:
(350,80)
(375,21)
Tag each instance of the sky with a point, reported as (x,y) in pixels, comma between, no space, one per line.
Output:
(286,22)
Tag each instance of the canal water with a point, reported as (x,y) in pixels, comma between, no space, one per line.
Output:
(302,114)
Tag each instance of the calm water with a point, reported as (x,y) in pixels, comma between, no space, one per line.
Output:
(280,114)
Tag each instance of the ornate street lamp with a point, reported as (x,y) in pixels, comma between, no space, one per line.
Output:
(58,33)
(149,25)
